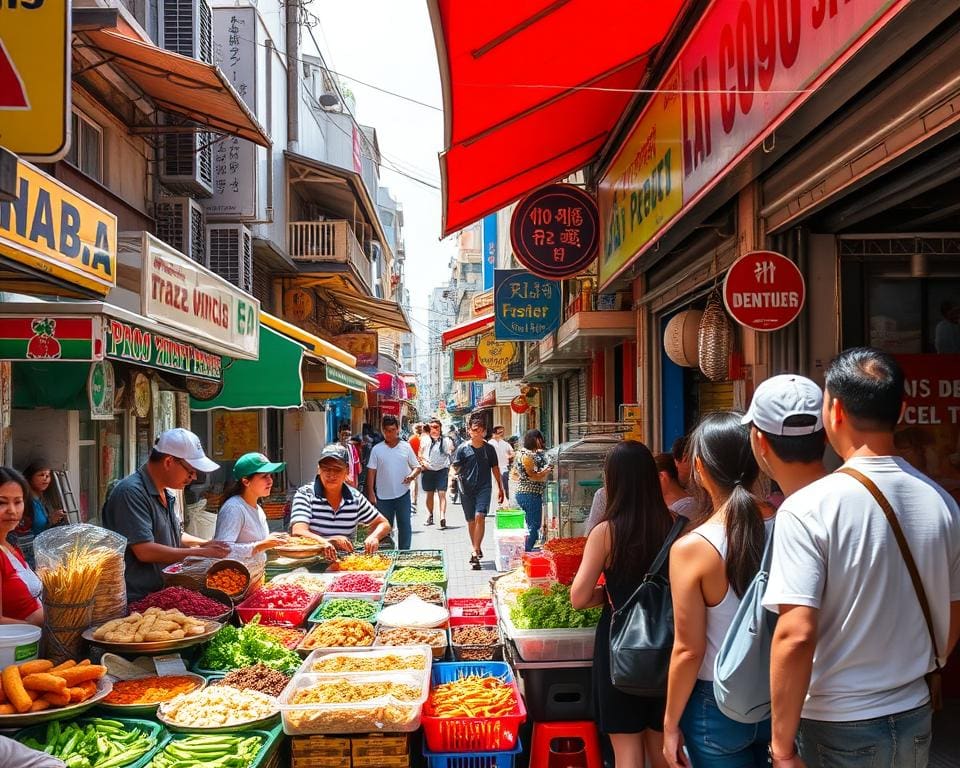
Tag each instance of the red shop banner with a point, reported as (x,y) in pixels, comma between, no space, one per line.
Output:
(764,291)
(928,435)
(466,366)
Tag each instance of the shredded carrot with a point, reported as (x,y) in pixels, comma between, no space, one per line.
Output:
(472,696)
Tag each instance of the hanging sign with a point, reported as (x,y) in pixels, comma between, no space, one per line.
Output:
(495,355)
(101,390)
(764,290)
(50,338)
(520,404)
(298,304)
(526,307)
(363,345)
(554,231)
(481,303)
(133,344)
(142,395)
(466,366)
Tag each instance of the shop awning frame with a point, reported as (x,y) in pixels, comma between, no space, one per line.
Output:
(374,313)
(465,330)
(178,84)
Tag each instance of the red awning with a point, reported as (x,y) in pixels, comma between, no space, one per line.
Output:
(532,90)
(467,329)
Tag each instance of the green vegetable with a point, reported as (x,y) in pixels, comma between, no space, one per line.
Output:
(536,609)
(94,743)
(233,648)
(215,751)
(411,575)
(348,607)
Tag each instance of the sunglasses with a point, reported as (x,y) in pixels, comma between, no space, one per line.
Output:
(186,467)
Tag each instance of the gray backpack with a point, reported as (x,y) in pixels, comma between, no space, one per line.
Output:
(741,672)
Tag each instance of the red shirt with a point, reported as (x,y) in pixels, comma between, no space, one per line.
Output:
(18,603)
(415,444)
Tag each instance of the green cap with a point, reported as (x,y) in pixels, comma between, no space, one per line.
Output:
(253,463)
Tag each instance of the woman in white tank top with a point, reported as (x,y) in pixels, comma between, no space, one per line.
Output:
(710,568)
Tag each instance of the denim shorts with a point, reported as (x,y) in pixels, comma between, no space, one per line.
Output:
(476,503)
(713,740)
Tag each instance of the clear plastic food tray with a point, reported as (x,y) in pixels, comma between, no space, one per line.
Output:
(424,652)
(316,583)
(382,713)
(439,651)
(551,644)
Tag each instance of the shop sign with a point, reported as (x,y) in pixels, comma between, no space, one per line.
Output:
(52,229)
(35,78)
(554,231)
(142,395)
(745,68)
(466,366)
(343,378)
(390,408)
(526,307)
(932,401)
(482,303)
(520,404)
(180,293)
(495,355)
(50,338)
(764,291)
(101,390)
(298,304)
(489,254)
(133,344)
(363,346)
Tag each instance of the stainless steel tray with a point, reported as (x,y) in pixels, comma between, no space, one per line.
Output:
(160,646)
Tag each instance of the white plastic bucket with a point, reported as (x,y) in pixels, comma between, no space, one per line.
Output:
(18,643)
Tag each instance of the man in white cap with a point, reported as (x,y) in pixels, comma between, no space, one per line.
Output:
(142,508)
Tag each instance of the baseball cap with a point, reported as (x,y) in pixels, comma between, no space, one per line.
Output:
(185,445)
(337,452)
(781,397)
(253,463)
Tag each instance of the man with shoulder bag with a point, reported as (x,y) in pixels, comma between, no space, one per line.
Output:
(865,576)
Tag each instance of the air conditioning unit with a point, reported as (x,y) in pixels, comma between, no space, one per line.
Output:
(230,254)
(186,28)
(181,225)
(186,165)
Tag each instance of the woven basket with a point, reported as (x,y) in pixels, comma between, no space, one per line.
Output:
(716,339)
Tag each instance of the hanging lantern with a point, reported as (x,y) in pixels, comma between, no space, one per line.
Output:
(715,339)
(680,339)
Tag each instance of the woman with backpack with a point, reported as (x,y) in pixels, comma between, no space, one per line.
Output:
(622,547)
(710,569)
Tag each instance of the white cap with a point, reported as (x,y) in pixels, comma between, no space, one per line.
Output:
(781,397)
(185,445)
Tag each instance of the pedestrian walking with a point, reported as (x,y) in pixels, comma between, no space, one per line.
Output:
(477,470)
(391,469)
(435,452)
(853,648)
(533,469)
(414,441)
(622,547)
(504,457)
(710,569)
(345,439)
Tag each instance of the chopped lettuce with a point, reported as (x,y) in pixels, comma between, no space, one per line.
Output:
(233,648)
(536,609)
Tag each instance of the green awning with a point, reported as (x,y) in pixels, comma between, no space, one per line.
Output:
(50,385)
(272,381)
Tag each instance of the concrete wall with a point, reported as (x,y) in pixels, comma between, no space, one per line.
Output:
(304,435)
(50,434)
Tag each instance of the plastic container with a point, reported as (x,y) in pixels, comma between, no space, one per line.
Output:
(148,727)
(492,651)
(551,644)
(508,519)
(277,617)
(474,734)
(558,693)
(18,643)
(439,649)
(311,641)
(270,745)
(316,617)
(510,546)
(477,760)
(421,652)
(441,573)
(538,566)
(383,713)
(440,599)
(432,558)
(380,576)
(471,610)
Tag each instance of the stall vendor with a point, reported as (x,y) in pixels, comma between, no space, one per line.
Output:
(329,510)
(20,587)
(142,509)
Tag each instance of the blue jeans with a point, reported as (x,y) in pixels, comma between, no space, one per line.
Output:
(713,740)
(398,510)
(532,506)
(893,741)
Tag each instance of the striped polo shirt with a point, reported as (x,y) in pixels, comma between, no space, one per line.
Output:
(310,506)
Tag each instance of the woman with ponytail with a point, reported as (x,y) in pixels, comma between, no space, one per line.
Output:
(710,569)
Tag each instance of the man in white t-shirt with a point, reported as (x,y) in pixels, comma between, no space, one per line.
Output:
(390,470)
(851,647)
(504,454)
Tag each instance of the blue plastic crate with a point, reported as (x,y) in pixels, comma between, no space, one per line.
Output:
(476,760)
(450,671)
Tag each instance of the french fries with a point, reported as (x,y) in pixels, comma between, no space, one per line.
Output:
(23,690)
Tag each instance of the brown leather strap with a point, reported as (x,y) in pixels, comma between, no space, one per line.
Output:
(904,550)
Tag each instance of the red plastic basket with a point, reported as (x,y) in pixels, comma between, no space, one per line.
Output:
(277,617)
(473,734)
(566,555)
(472,610)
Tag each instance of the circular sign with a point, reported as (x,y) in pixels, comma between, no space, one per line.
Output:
(520,404)
(203,389)
(101,389)
(555,231)
(496,355)
(141,396)
(298,304)
(681,338)
(764,290)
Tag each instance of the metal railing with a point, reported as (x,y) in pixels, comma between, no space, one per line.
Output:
(329,241)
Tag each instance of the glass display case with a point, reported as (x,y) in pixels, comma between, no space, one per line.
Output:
(578,474)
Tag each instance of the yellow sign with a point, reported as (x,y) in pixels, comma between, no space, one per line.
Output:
(496,355)
(643,188)
(35,78)
(52,229)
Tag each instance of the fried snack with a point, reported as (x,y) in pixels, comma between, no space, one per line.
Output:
(110,599)
(339,633)
(44,681)
(153,625)
(66,665)
(13,688)
(76,675)
(39,705)
(57,699)
(339,691)
(35,666)
(435,638)
(369,662)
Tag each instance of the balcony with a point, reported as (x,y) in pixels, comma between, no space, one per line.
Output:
(330,242)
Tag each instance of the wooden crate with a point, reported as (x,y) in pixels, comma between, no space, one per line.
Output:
(379,750)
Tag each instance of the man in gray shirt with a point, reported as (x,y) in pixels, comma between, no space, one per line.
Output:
(142,509)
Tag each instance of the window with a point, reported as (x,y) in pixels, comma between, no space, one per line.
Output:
(86,147)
